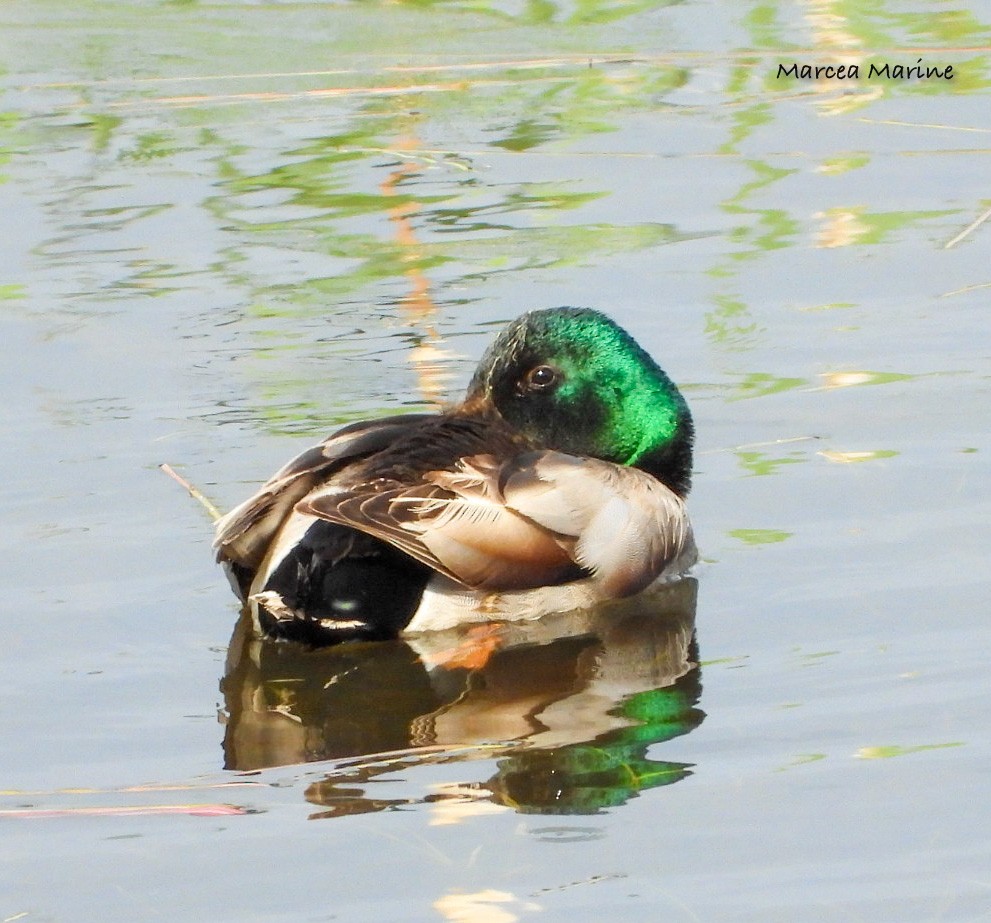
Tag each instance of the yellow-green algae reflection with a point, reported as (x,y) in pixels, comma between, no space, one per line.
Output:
(392,218)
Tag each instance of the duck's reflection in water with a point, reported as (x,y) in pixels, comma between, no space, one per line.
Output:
(567,706)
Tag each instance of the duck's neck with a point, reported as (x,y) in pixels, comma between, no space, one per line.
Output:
(671,463)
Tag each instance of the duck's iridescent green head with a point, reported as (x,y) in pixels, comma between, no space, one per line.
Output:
(573,380)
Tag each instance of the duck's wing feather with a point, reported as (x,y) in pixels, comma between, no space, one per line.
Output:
(626,526)
(244,535)
(539,518)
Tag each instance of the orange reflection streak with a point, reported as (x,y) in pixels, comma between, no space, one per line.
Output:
(418,308)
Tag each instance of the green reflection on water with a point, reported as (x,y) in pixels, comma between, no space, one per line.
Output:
(432,209)
(891,750)
(746,119)
(764,25)
(857,226)
(103,127)
(585,778)
(383,176)
(761,384)
(9,122)
(731,324)
(803,759)
(539,12)
(760,536)
(151,146)
(879,25)
(761,463)
(844,163)
(589,101)
(12,292)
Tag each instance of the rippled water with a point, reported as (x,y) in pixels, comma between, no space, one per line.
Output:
(231,227)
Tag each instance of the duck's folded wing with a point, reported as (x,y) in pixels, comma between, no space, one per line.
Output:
(243,536)
(626,527)
(538,519)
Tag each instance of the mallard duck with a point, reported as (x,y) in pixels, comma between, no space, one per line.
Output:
(557,483)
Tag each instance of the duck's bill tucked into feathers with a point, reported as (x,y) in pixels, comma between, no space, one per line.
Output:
(538,519)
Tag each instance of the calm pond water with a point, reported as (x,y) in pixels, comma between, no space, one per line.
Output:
(233,226)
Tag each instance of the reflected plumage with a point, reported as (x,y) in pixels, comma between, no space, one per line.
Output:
(558,482)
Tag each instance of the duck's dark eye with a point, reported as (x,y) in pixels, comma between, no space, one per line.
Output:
(541,378)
